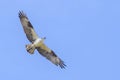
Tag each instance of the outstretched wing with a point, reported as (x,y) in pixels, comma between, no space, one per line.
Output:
(50,55)
(27,26)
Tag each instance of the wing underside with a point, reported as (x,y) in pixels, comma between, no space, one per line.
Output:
(27,26)
(50,55)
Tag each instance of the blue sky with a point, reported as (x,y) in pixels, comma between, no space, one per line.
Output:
(83,33)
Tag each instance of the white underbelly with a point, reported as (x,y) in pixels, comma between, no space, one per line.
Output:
(38,42)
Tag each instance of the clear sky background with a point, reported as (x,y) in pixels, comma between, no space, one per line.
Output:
(83,33)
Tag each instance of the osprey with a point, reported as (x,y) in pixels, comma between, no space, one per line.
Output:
(37,42)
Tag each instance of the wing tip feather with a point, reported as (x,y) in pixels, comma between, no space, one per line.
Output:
(23,17)
(22,14)
(59,62)
(62,64)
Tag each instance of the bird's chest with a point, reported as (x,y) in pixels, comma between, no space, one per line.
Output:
(38,42)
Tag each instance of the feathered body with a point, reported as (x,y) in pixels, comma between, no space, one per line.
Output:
(37,42)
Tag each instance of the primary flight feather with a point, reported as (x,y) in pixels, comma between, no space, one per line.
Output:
(37,42)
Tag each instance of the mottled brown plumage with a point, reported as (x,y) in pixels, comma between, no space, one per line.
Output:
(37,42)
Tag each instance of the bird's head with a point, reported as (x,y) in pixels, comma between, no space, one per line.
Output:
(43,39)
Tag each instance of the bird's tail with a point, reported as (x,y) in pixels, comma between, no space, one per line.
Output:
(30,48)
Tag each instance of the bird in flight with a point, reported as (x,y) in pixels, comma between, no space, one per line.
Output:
(37,42)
